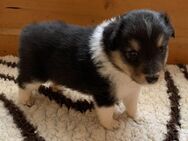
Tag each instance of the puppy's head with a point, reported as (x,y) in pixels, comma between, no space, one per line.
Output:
(137,44)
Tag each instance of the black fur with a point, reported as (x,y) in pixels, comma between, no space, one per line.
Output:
(59,52)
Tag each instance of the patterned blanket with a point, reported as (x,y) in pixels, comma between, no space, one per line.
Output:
(70,116)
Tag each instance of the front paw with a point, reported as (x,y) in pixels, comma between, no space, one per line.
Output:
(132,115)
(114,124)
(132,111)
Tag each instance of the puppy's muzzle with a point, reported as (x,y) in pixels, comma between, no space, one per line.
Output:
(152,78)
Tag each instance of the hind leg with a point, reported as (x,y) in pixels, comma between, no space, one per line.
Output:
(26,92)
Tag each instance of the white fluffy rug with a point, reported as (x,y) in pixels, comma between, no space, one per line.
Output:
(162,112)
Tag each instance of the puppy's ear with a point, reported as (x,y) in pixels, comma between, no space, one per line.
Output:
(167,21)
(110,35)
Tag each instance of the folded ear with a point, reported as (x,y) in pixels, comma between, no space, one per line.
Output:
(168,23)
(110,35)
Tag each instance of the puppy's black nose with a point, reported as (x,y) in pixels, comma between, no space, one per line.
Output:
(152,78)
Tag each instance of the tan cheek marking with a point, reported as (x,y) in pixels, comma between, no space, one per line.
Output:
(117,60)
(135,45)
(160,41)
(140,77)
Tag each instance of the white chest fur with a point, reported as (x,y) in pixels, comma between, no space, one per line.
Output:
(124,86)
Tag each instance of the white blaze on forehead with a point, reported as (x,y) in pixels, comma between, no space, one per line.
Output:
(160,40)
(134,44)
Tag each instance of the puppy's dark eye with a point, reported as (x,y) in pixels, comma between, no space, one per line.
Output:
(132,55)
(162,49)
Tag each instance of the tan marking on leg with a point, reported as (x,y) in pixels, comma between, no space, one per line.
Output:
(26,93)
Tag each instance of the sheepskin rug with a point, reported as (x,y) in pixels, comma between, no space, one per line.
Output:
(70,116)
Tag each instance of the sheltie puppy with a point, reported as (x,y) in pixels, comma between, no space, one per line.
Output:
(109,61)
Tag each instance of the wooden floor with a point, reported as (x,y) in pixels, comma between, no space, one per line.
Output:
(15,14)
